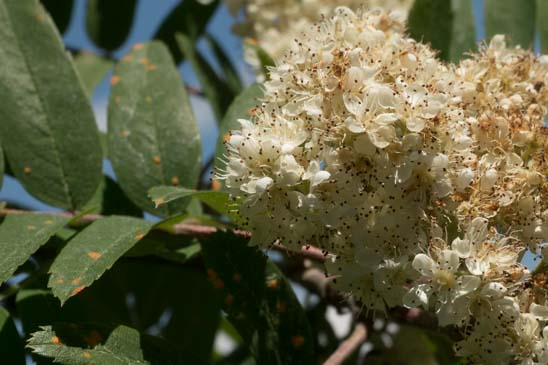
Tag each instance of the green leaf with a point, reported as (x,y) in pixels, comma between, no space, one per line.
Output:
(153,136)
(88,255)
(11,349)
(241,108)
(92,69)
(80,344)
(111,200)
(21,235)
(416,346)
(60,11)
(48,129)
(259,301)
(2,166)
(514,18)
(542,15)
(217,200)
(108,22)
(156,288)
(463,35)
(190,18)
(431,21)
(215,89)
(229,70)
(264,58)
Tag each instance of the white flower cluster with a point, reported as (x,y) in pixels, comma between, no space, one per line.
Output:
(425,181)
(274,24)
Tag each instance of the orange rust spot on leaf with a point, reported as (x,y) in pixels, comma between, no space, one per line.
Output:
(273,284)
(115,79)
(137,46)
(140,236)
(211,274)
(297,341)
(281,307)
(151,67)
(158,202)
(30,227)
(127,58)
(226,137)
(94,255)
(27,170)
(215,185)
(157,160)
(218,284)
(229,299)
(148,99)
(56,340)
(175,181)
(49,222)
(124,133)
(117,99)
(77,290)
(237,277)
(87,355)
(145,61)
(93,338)
(59,281)
(77,281)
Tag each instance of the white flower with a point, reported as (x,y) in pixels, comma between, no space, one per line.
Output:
(481,252)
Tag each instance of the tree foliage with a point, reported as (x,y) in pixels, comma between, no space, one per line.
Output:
(95,280)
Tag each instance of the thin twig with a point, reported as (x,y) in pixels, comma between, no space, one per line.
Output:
(186,229)
(348,346)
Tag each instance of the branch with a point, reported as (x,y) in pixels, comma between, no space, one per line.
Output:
(186,229)
(348,346)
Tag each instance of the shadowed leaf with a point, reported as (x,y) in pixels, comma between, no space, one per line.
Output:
(259,301)
(189,18)
(60,11)
(108,22)
(11,346)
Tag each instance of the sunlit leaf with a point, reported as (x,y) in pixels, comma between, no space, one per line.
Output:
(153,136)
(48,128)
(93,251)
(21,235)
(516,19)
(92,69)
(431,21)
(75,344)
